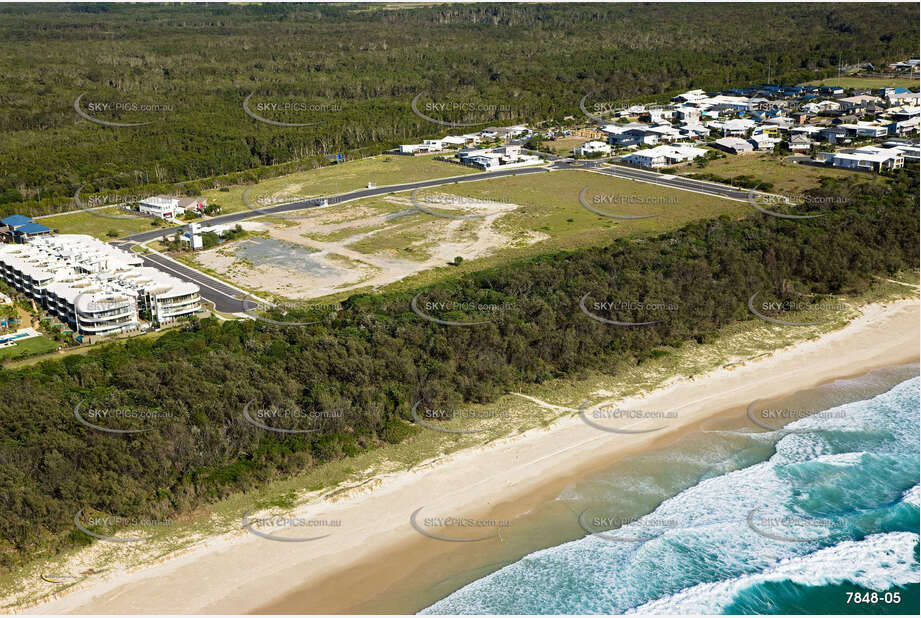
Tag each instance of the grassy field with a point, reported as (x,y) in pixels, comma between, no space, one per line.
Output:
(786,176)
(549,209)
(29,347)
(564,145)
(86,222)
(550,205)
(335,179)
(866,82)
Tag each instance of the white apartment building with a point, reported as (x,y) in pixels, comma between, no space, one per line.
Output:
(94,287)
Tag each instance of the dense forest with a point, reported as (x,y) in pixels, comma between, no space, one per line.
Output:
(360,370)
(351,72)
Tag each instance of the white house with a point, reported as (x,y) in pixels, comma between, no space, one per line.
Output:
(666,133)
(661,156)
(591,148)
(903,127)
(161,206)
(822,106)
(737,127)
(807,129)
(782,122)
(488,158)
(691,96)
(738,104)
(659,114)
(688,114)
(905,98)
(694,130)
(800,142)
(865,129)
(866,158)
(470,139)
(429,145)
(763,142)
(857,102)
(734,145)
(911,151)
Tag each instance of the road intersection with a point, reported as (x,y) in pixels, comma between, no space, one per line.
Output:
(230,299)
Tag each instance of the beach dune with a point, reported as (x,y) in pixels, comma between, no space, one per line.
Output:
(377,561)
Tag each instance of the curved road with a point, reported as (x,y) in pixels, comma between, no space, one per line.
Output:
(338,199)
(229,299)
(674,182)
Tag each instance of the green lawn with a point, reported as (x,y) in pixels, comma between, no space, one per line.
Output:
(549,210)
(29,347)
(86,222)
(550,205)
(335,179)
(564,145)
(786,176)
(866,82)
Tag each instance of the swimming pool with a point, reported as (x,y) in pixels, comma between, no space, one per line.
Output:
(5,338)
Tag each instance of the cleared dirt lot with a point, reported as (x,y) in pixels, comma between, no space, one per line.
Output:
(406,239)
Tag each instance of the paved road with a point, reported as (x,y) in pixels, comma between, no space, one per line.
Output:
(675,182)
(580,164)
(225,298)
(333,199)
(230,300)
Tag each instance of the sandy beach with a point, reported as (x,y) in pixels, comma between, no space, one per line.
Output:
(377,561)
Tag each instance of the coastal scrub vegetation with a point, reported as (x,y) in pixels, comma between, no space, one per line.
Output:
(350,73)
(352,379)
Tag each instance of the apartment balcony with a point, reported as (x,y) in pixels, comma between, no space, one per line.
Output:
(164,316)
(106,327)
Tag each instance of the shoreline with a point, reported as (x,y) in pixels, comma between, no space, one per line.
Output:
(369,562)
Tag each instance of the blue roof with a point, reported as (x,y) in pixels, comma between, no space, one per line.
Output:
(32,228)
(15,220)
(902,90)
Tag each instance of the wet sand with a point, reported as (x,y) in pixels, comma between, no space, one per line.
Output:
(378,562)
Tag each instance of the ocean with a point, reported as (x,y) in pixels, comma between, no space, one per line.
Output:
(819,517)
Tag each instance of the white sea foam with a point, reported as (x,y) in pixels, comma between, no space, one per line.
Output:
(860,468)
(876,563)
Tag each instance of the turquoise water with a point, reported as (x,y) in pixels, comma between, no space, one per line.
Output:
(12,337)
(779,523)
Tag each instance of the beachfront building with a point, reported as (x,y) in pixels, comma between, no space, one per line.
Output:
(94,287)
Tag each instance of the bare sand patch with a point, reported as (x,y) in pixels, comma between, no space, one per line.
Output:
(283,281)
(387,246)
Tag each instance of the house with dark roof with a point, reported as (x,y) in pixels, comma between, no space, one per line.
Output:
(30,230)
(19,228)
(15,220)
